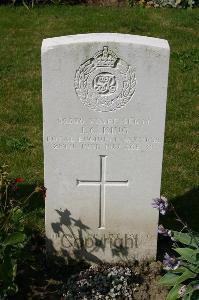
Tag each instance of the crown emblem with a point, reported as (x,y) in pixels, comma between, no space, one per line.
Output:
(105,58)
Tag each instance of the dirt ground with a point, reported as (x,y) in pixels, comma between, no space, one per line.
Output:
(38,279)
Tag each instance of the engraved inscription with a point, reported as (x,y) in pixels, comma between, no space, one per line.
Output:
(91,240)
(103,121)
(103,143)
(105,82)
(102,183)
(101,134)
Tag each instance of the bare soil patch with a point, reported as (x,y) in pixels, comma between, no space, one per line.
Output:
(39,279)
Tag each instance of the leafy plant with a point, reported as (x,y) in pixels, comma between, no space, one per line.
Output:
(31,3)
(144,3)
(182,271)
(13,237)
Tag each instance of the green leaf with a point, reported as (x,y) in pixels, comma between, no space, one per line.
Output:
(180,269)
(17,215)
(187,297)
(188,254)
(186,275)
(173,293)
(8,269)
(169,279)
(186,238)
(195,295)
(15,238)
(194,282)
(189,289)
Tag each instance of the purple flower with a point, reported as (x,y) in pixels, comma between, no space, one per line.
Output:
(163,231)
(161,204)
(170,262)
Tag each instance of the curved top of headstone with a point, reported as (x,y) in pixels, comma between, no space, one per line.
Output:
(51,43)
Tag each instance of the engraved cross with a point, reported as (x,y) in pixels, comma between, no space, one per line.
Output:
(102,183)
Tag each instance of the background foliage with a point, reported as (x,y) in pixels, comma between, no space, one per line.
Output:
(15,232)
(149,3)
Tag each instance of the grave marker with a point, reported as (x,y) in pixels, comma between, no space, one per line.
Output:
(104,104)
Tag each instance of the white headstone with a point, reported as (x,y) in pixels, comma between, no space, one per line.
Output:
(104,103)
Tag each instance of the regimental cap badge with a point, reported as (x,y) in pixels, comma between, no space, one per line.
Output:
(105,82)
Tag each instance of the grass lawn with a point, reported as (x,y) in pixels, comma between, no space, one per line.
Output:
(21,35)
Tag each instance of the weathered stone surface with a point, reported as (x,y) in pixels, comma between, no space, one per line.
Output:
(104,102)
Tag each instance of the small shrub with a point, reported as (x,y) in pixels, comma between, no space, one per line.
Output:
(13,237)
(182,271)
(31,3)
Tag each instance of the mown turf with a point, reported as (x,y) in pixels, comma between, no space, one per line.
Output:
(21,34)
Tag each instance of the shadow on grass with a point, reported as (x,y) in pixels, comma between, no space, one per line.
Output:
(187,207)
